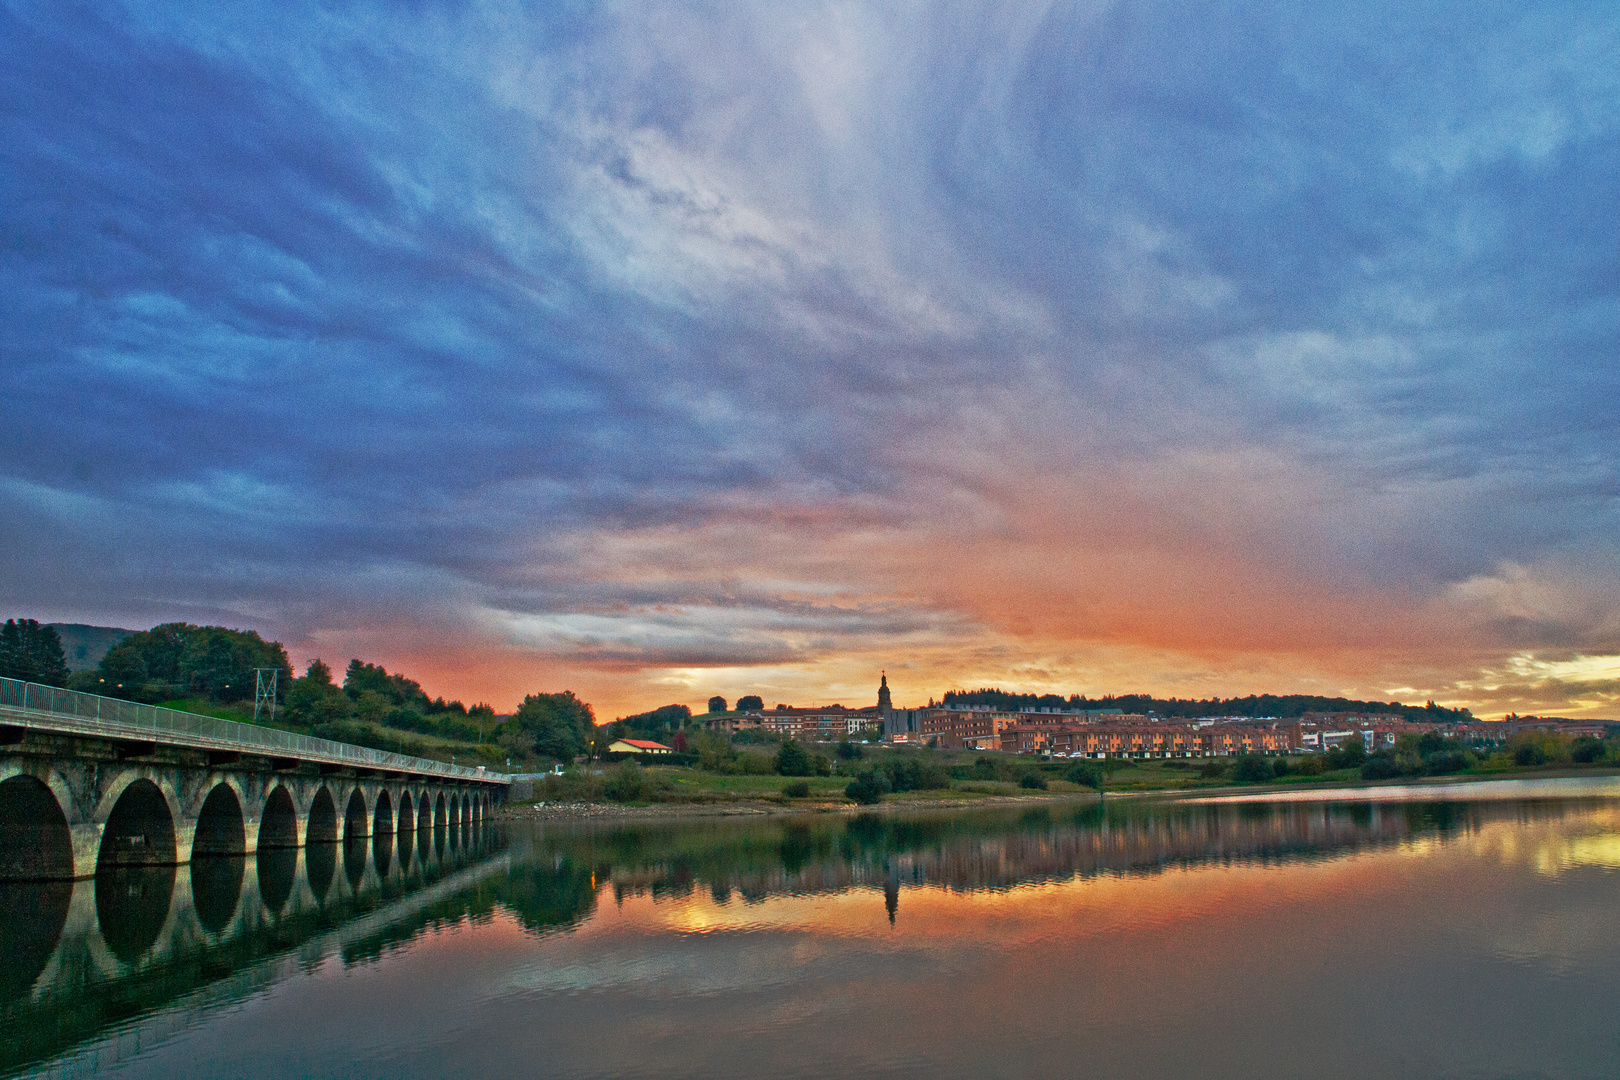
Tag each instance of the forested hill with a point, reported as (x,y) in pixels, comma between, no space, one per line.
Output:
(1284,706)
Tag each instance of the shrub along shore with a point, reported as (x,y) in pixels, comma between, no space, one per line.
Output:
(792,777)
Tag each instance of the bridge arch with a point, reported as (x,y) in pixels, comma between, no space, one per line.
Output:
(354,816)
(320,865)
(216,889)
(382,819)
(407,830)
(440,812)
(322,826)
(424,812)
(277,871)
(132,906)
(382,833)
(139,826)
(278,824)
(356,830)
(35,841)
(220,828)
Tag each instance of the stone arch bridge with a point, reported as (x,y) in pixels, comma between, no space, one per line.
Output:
(90,783)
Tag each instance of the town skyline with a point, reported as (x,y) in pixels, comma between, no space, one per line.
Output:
(84,647)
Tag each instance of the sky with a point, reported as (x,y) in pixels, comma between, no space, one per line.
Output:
(666,350)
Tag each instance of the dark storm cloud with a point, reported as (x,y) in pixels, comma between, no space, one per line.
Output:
(403,306)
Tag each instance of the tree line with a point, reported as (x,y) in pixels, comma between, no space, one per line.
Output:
(1281,706)
(216,665)
(32,653)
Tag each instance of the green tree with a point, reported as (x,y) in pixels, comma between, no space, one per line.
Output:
(1252,769)
(313,699)
(559,725)
(865,789)
(717,704)
(1586,750)
(180,659)
(793,760)
(654,724)
(750,703)
(714,753)
(32,652)
(1348,754)
(1086,774)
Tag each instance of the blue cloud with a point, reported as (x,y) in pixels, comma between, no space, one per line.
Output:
(435,291)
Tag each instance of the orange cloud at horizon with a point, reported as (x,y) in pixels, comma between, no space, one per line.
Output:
(1046,581)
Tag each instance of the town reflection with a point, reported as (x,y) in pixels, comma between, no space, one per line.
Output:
(564,869)
(82,957)
(77,958)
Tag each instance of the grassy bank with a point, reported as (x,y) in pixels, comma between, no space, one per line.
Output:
(358,733)
(968,776)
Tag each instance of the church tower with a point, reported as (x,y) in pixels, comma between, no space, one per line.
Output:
(885,705)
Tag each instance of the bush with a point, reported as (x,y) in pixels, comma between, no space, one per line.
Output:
(1252,769)
(1586,750)
(849,751)
(797,790)
(753,764)
(714,753)
(1212,770)
(629,782)
(865,789)
(1348,754)
(1085,774)
(1032,781)
(1309,765)
(1381,766)
(1529,754)
(1432,742)
(910,774)
(1441,762)
(984,769)
(794,760)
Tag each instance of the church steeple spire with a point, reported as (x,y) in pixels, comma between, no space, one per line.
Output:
(885,705)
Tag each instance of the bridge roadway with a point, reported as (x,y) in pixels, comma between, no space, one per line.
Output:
(89,783)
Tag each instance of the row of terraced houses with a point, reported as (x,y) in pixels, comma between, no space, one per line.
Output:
(1140,737)
(1104,733)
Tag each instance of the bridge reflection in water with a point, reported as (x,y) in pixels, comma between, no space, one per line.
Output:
(79,957)
(89,963)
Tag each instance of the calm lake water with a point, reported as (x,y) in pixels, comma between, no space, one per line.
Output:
(1463,931)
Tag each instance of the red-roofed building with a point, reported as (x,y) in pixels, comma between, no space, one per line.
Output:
(639,746)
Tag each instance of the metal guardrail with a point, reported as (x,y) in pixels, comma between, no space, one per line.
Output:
(54,709)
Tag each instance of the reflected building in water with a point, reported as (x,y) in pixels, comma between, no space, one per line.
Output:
(986,849)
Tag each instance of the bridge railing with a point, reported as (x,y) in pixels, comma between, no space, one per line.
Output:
(74,710)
